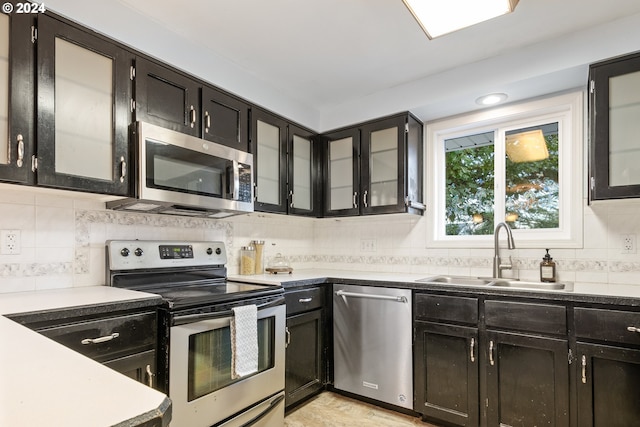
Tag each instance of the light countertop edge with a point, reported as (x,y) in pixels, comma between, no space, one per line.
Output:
(44,383)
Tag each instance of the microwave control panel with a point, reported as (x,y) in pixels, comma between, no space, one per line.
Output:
(245,184)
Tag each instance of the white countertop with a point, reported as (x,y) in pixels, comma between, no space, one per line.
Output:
(45,383)
(589,289)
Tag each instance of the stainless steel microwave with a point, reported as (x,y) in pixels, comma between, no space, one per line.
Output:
(184,175)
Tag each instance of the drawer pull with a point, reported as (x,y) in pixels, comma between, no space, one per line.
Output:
(633,329)
(584,369)
(101,339)
(305,299)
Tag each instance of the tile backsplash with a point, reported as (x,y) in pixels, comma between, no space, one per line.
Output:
(62,237)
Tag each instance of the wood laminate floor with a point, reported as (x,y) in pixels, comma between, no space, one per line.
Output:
(334,410)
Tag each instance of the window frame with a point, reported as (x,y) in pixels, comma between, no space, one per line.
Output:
(568,110)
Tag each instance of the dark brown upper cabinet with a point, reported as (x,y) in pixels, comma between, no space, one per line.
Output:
(614,122)
(375,168)
(83,93)
(225,119)
(17,143)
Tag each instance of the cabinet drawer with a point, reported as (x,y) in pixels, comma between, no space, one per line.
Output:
(107,339)
(446,308)
(608,325)
(304,300)
(542,318)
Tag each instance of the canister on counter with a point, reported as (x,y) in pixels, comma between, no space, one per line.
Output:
(259,259)
(247,260)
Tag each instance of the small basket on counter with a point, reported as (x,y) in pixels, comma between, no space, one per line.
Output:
(279,265)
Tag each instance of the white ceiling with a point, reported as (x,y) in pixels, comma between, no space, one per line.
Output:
(329,63)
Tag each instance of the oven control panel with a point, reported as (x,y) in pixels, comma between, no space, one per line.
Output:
(138,254)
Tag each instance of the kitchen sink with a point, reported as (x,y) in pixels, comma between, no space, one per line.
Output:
(458,280)
(498,283)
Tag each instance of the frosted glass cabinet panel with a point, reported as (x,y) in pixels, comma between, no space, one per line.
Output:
(83,110)
(268,159)
(302,170)
(624,129)
(614,122)
(83,105)
(341,184)
(384,167)
(4,89)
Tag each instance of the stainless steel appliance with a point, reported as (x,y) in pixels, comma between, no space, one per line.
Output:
(372,343)
(197,313)
(183,175)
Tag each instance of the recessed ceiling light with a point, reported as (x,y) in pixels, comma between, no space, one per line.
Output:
(491,99)
(439,17)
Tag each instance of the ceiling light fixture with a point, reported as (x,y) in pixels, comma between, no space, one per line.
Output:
(439,17)
(491,99)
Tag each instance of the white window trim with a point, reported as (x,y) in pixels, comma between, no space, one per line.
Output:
(568,110)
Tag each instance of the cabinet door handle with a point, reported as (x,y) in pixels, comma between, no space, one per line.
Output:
(288,340)
(101,339)
(150,376)
(207,121)
(123,169)
(491,361)
(633,329)
(305,299)
(192,115)
(291,198)
(584,369)
(364,199)
(472,350)
(20,159)
(355,199)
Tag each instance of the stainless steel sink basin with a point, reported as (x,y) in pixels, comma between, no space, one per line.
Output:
(458,280)
(498,283)
(520,284)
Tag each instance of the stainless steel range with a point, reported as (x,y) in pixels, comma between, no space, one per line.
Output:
(197,368)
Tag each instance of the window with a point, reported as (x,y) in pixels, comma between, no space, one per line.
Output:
(519,164)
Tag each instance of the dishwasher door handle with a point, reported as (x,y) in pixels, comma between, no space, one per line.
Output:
(397,298)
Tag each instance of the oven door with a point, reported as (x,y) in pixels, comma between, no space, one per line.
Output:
(200,383)
(183,170)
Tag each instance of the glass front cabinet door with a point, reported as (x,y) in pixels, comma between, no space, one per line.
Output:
(614,120)
(16,97)
(83,111)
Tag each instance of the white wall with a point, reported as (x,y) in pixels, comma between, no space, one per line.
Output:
(63,235)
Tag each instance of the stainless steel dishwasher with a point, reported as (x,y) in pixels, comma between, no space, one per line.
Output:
(372,343)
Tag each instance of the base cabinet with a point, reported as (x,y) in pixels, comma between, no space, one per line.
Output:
(527,380)
(305,366)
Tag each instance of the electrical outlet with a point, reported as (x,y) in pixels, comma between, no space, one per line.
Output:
(9,242)
(628,243)
(368,245)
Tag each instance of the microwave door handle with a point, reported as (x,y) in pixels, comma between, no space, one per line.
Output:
(235,181)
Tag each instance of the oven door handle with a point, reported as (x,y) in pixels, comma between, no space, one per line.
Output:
(272,405)
(192,318)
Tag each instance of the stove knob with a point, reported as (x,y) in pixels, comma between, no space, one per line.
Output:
(124,252)
(138,252)
(209,251)
(218,251)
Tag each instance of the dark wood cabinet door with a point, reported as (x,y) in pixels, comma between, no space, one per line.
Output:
(304,367)
(304,180)
(446,373)
(83,96)
(166,98)
(269,148)
(17,96)
(342,173)
(614,117)
(140,367)
(527,380)
(225,119)
(608,387)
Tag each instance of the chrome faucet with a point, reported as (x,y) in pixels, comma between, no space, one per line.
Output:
(497,264)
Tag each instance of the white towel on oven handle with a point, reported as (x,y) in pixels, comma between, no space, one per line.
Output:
(244,341)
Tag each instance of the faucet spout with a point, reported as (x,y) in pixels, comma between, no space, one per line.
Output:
(497,264)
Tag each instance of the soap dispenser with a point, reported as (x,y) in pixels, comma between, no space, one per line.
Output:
(547,269)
